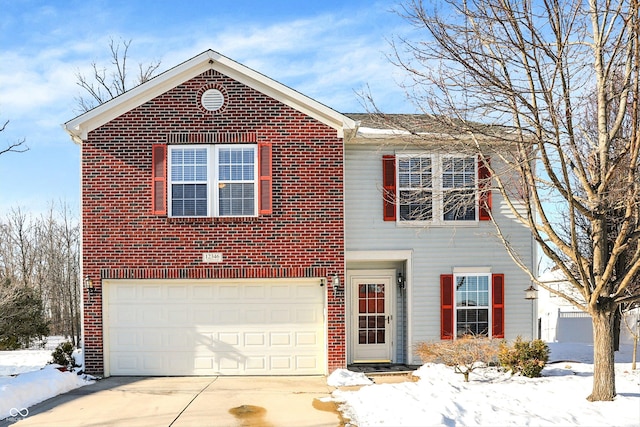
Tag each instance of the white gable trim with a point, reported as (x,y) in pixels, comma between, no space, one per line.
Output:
(80,126)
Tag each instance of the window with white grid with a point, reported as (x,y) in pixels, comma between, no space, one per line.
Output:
(213,180)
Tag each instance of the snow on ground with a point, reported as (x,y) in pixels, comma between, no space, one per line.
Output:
(26,378)
(344,377)
(494,398)
(438,398)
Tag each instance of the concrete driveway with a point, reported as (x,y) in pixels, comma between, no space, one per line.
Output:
(189,401)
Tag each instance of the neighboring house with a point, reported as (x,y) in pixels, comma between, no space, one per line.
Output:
(561,321)
(233,226)
(558,319)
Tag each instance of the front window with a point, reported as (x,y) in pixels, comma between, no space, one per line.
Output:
(472,305)
(213,180)
(189,181)
(459,188)
(437,188)
(236,181)
(415,175)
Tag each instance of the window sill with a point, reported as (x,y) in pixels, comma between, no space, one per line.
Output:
(210,220)
(438,224)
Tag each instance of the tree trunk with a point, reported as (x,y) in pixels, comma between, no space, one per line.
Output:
(617,320)
(604,382)
(635,352)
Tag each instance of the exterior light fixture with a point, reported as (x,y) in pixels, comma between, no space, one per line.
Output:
(335,283)
(323,281)
(400,280)
(530,293)
(88,283)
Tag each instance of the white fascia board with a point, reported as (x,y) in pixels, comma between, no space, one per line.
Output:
(80,126)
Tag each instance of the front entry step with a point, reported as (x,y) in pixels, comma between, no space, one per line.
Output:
(382,368)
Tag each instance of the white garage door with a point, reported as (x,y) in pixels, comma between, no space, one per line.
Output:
(167,327)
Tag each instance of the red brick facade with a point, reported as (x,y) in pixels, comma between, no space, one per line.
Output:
(122,238)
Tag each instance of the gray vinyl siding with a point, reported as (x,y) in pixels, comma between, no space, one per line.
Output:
(435,250)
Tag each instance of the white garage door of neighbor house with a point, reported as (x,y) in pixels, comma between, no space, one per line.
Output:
(177,328)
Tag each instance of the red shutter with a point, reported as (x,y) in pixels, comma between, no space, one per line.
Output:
(265,181)
(484,187)
(389,187)
(497,306)
(159,180)
(446,307)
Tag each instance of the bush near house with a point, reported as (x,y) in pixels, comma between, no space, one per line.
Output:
(524,357)
(464,354)
(63,355)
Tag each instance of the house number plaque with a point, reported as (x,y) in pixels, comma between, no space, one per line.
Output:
(212,257)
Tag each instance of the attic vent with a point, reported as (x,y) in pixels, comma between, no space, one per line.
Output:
(212,100)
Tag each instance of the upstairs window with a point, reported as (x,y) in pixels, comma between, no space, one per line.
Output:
(189,181)
(459,189)
(213,180)
(434,188)
(415,179)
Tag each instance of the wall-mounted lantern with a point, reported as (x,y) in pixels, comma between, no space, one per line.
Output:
(400,280)
(530,293)
(88,283)
(335,283)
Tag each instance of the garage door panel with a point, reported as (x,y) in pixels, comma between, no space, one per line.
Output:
(178,292)
(307,339)
(307,314)
(215,329)
(201,292)
(280,339)
(152,293)
(255,339)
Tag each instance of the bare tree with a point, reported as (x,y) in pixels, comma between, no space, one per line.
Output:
(531,67)
(107,83)
(15,147)
(42,255)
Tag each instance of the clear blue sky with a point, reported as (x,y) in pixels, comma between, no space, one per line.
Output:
(328,50)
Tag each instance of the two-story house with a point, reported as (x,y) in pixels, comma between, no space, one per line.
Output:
(233,226)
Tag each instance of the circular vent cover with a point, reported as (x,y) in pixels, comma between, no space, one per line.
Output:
(212,100)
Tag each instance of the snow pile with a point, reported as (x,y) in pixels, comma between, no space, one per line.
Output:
(20,361)
(344,377)
(27,389)
(492,397)
(26,378)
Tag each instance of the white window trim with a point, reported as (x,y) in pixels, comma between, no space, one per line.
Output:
(213,205)
(458,273)
(437,192)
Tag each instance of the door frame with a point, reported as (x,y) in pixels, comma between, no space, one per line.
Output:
(358,261)
(352,327)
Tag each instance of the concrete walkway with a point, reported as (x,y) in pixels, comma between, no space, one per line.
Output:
(189,401)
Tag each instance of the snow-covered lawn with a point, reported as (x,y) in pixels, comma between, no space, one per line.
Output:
(27,379)
(438,398)
(494,398)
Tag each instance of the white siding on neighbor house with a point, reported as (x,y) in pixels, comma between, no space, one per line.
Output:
(435,250)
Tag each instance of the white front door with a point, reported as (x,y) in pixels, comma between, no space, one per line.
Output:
(372,317)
